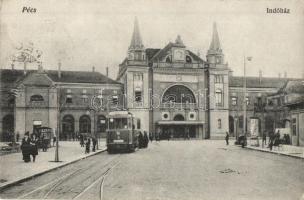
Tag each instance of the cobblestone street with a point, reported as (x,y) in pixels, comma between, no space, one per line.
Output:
(174,170)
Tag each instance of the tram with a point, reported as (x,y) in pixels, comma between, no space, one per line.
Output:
(122,131)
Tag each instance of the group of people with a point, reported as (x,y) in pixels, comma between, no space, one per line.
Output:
(143,140)
(29,147)
(85,141)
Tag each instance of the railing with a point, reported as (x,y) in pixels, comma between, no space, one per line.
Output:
(178,105)
(178,65)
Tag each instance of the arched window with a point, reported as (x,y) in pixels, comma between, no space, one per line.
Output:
(188,59)
(179,117)
(178,94)
(85,124)
(36,97)
(219,124)
(218,97)
(67,127)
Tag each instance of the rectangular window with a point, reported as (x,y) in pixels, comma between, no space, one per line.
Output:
(138,96)
(69,100)
(219,97)
(69,91)
(294,126)
(114,100)
(234,101)
(85,99)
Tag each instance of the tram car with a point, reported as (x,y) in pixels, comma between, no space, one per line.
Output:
(122,131)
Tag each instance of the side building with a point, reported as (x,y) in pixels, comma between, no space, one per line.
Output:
(69,101)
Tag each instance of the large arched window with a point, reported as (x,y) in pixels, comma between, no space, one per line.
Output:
(179,117)
(36,97)
(178,94)
(84,124)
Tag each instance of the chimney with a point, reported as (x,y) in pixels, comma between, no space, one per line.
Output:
(13,66)
(93,69)
(260,76)
(24,65)
(279,75)
(107,71)
(285,74)
(59,69)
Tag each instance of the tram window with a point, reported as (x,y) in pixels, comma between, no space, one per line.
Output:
(118,123)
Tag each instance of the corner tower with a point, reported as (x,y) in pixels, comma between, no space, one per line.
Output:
(218,88)
(134,74)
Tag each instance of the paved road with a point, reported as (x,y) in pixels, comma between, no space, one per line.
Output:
(172,170)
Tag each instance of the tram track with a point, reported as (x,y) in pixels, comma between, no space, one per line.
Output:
(49,190)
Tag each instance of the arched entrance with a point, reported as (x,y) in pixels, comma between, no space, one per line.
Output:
(85,124)
(8,128)
(179,130)
(68,128)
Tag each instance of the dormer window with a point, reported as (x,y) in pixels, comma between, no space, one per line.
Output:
(188,59)
(168,59)
(84,91)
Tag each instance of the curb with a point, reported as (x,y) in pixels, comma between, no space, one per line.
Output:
(274,152)
(12,183)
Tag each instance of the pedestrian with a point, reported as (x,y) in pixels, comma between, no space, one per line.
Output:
(227,138)
(34,146)
(140,140)
(94,142)
(151,136)
(26,147)
(17,137)
(270,143)
(87,145)
(44,143)
(146,139)
(264,138)
(54,140)
(81,140)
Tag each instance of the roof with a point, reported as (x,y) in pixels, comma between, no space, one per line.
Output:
(150,52)
(254,82)
(11,76)
(293,86)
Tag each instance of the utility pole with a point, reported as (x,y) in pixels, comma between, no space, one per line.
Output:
(245,95)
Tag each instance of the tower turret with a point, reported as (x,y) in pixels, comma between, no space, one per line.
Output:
(215,54)
(136,49)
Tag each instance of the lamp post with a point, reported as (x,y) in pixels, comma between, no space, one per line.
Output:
(245,99)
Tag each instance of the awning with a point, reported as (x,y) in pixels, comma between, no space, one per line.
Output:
(169,122)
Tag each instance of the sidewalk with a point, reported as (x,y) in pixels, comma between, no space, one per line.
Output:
(287,150)
(13,169)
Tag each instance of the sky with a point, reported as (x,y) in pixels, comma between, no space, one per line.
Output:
(87,33)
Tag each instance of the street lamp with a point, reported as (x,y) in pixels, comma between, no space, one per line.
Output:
(245,100)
